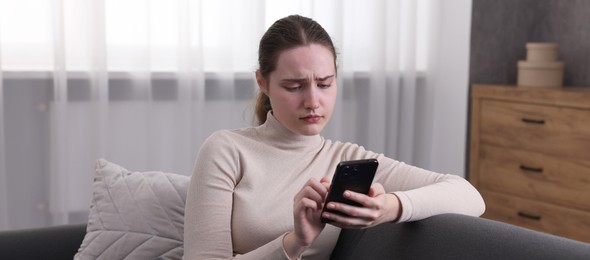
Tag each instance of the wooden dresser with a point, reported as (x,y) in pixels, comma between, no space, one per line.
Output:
(530,156)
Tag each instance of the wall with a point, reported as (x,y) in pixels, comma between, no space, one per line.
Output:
(501,28)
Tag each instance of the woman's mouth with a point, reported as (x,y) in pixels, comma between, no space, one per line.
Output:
(312,119)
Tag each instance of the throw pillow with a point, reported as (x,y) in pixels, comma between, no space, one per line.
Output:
(134,215)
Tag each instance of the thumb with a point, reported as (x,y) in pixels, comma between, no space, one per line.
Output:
(376,190)
(326,182)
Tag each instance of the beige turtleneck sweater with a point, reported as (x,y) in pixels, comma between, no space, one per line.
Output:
(240,199)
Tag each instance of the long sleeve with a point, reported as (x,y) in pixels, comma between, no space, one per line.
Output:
(208,214)
(423,193)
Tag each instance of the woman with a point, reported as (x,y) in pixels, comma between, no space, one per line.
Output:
(257,193)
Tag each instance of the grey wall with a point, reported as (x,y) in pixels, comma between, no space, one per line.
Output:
(501,28)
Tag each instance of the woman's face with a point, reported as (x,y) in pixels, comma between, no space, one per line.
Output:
(302,88)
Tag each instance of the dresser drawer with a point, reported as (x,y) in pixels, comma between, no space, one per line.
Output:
(550,130)
(535,176)
(539,216)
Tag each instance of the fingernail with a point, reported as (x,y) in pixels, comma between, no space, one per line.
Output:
(331,206)
(347,193)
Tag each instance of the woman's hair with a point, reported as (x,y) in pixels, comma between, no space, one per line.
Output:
(286,33)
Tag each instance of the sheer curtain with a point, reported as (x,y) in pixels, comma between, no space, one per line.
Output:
(143,83)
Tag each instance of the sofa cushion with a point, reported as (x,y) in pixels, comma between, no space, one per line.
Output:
(134,215)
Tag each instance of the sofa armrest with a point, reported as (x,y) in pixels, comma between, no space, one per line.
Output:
(452,236)
(57,242)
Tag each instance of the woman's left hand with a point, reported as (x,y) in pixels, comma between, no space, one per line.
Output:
(377,207)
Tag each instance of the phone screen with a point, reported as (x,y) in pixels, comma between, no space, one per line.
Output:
(355,176)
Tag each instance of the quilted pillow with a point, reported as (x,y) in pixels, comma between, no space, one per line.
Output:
(134,215)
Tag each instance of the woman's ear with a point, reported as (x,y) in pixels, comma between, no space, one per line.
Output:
(261,82)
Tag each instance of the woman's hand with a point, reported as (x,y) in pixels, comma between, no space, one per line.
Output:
(307,208)
(378,207)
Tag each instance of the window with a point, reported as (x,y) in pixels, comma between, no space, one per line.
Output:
(216,35)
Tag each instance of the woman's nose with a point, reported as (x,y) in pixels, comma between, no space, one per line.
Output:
(311,98)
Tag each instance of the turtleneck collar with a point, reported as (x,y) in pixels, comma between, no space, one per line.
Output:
(277,135)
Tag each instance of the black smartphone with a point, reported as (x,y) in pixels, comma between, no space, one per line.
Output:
(355,176)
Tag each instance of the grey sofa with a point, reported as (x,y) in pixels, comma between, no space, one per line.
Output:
(447,236)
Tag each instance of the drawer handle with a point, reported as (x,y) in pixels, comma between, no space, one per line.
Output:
(531,169)
(533,121)
(529,216)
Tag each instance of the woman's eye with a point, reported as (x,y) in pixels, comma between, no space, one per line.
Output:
(293,89)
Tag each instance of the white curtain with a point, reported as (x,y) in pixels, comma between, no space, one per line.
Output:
(143,83)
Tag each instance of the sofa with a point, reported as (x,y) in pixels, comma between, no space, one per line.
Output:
(140,215)
(447,236)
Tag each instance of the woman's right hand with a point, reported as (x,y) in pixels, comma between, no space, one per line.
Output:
(307,209)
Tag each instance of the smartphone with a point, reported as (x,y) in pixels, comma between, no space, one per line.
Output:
(355,176)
